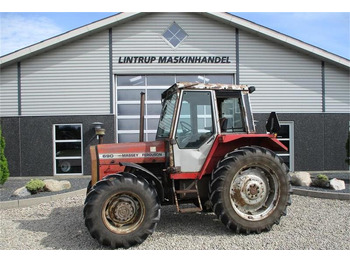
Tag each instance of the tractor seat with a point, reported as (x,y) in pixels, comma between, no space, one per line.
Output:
(223,124)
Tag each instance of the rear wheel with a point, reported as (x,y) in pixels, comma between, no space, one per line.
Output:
(122,210)
(250,189)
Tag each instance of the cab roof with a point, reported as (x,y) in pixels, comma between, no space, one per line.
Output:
(192,85)
(200,86)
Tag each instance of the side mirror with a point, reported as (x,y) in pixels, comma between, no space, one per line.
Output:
(251,89)
(273,125)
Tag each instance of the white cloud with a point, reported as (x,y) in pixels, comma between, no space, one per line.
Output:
(20,30)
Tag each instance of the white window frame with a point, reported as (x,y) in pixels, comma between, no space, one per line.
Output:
(67,157)
(290,154)
(137,103)
(174,35)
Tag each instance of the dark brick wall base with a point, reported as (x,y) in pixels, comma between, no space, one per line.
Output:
(29,141)
(319,140)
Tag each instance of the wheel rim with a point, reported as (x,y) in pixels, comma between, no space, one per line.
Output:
(254,192)
(65,166)
(123,213)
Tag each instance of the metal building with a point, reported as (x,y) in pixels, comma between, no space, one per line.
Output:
(52,92)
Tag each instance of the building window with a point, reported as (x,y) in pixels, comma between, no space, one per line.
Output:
(286,136)
(68,150)
(133,80)
(174,34)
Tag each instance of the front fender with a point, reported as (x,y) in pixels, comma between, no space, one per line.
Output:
(145,173)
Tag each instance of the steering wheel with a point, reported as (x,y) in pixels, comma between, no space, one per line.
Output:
(186,127)
(185,137)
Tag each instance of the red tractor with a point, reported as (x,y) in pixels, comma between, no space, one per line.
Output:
(207,156)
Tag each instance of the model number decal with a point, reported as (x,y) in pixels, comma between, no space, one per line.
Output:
(131,155)
(106,156)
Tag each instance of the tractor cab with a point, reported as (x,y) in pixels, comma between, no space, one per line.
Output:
(194,115)
(204,110)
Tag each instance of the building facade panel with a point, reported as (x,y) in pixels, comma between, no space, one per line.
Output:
(336,135)
(98,78)
(11,132)
(286,81)
(30,141)
(9,91)
(72,79)
(308,149)
(143,37)
(337,83)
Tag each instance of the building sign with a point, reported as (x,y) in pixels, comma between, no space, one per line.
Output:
(174,59)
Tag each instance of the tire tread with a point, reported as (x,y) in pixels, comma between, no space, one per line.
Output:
(218,177)
(93,200)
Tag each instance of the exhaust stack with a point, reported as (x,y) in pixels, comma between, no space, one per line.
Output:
(142,117)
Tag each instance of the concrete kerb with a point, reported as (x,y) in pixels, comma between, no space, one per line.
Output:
(309,192)
(38,200)
(321,194)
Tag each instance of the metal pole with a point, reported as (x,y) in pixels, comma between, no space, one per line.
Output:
(142,117)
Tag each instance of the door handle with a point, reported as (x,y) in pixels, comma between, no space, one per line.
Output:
(210,139)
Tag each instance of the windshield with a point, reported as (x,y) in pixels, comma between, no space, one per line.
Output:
(166,116)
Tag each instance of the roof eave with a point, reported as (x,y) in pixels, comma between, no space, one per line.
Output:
(285,40)
(232,20)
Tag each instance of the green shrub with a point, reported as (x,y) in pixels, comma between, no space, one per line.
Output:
(322,177)
(35,185)
(321,181)
(4,169)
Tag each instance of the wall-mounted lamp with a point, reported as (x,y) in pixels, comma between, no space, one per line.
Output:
(99,131)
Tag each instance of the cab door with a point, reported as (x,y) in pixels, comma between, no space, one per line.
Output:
(195,130)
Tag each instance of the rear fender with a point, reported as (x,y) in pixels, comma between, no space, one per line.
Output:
(150,177)
(273,144)
(227,143)
(264,140)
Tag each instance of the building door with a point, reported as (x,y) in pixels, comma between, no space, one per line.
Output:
(128,89)
(128,105)
(286,136)
(68,150)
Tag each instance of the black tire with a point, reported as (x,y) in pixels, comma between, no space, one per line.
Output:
(122,210)
(250,190)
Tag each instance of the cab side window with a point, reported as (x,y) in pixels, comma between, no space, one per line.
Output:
(230,115)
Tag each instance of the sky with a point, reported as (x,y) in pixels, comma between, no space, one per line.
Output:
(327,30)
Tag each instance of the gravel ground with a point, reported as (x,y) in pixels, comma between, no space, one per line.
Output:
(311,223)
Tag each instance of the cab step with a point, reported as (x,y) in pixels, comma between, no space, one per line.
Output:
(190,210)
(191,189)
(186,191)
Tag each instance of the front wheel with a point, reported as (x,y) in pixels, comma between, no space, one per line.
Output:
(122,210)
(250,189)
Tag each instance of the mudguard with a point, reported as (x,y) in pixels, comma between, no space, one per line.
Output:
(131,167)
